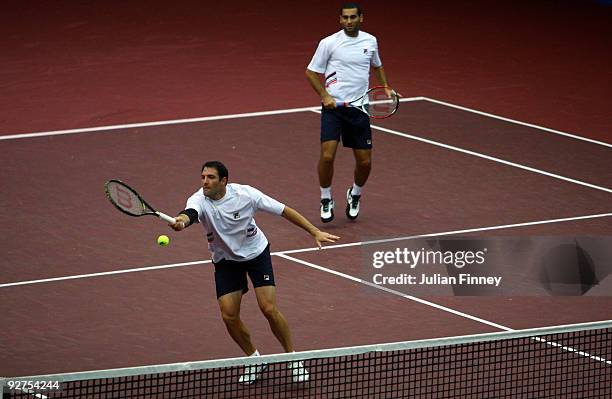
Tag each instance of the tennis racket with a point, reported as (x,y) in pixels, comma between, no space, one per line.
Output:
(375,103)
(128,201)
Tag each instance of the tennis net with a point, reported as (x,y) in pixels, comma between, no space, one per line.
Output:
(572,361)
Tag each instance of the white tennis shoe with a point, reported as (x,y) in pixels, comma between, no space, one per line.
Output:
(352,204)
(327,210)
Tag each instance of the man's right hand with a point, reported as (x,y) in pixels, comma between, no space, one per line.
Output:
(328,102)
(181,223)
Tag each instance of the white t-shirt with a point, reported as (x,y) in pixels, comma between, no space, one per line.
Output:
(229,224)
(345,62)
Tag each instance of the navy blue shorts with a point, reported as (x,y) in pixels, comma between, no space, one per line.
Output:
(346,123)
(230,275)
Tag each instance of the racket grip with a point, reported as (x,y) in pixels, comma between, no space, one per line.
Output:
(166,218)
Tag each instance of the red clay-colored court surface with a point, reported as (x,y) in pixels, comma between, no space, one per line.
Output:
(504,132)
(77,301)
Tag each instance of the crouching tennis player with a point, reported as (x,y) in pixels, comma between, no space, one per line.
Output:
(239,247)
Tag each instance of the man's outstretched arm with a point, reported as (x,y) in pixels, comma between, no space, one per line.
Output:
(296,218)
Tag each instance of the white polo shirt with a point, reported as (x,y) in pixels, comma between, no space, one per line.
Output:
(345,62)
(229,223)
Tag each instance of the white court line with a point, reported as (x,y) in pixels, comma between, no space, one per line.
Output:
(283,111)
(440,307)
(149,124)
(493,116)
(394,292)
(447,233)
(570,349)
(490,158)
(327,247)
(484,156)
(79,276)
(316,110)
(169,122)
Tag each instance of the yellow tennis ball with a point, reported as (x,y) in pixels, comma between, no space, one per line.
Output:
(163,240)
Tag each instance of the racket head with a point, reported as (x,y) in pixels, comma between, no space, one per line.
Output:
(378,105)
(126,199)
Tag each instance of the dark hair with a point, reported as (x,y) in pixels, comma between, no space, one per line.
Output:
(347,6)
(221,169)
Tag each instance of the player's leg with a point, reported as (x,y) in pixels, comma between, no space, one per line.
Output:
(360,140)
(261,274)
(363,166)
(230,310)
(229,305)
(325,167)
(331,128)
(231,284)
(266,299)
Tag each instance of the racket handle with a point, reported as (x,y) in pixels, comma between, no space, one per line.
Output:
(342,104)
(166,218)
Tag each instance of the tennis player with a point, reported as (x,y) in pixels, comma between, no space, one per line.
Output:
(343,60)
(239,247)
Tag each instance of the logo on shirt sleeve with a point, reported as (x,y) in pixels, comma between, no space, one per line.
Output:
(236,215)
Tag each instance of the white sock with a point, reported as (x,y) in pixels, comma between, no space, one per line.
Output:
(256,353)
(326,192)
(356,190)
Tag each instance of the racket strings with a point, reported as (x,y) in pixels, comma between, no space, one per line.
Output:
(378,104)
(125,199)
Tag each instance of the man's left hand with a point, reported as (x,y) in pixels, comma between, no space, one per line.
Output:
(390,92)
(321,237)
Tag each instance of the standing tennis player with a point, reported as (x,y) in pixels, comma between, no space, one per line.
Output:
(239,247)
(344,60)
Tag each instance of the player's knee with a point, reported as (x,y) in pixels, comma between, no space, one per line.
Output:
(269,310)
(327,157)
(364,163)
(230,316)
